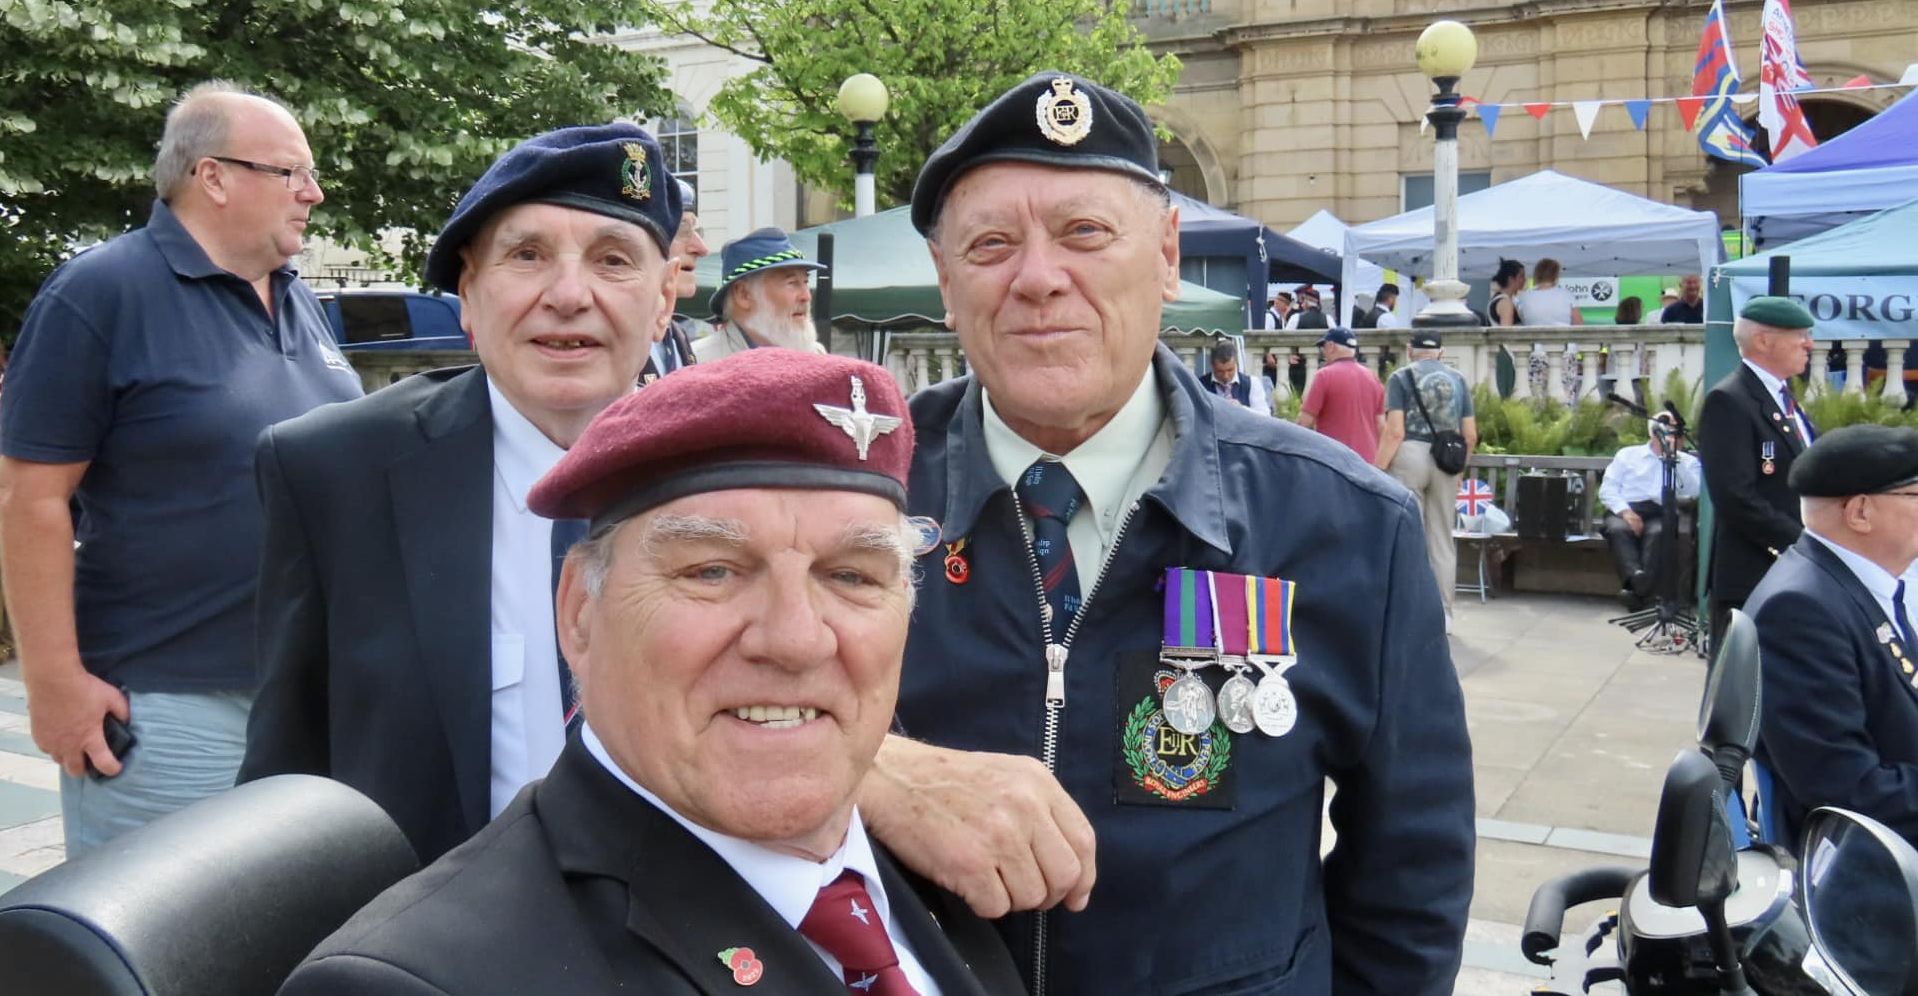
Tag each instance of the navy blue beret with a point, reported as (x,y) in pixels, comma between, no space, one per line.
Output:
(1857,460)
(1054,119)
(616,170)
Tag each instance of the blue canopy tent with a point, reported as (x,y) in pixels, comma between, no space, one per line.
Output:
(1869,168)
(1212,233)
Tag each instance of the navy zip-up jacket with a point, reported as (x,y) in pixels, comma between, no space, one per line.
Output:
(1210,878)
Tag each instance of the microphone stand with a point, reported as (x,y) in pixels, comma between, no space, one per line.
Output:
(1668,626)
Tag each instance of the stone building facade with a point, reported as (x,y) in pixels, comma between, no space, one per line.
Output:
(1289,106)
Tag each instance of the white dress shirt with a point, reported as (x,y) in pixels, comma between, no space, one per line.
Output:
(528,729)
(1637,474)
(1876,579)
(789,883)
(1772,386)
(1114,467)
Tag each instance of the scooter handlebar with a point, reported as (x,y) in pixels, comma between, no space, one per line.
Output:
(1545,920)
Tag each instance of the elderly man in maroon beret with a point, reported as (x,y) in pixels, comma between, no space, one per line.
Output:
(735,622)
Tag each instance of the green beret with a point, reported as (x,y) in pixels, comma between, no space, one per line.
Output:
(1857,460)
(1777,312)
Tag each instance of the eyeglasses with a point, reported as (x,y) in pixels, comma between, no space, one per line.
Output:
(297,177)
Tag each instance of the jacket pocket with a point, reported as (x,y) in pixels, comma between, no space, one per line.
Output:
(1286,976)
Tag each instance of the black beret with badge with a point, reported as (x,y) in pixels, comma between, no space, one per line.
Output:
(615,170)
(1857,460)
(1053,119)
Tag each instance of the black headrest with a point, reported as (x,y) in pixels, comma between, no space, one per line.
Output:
(223,897)
(1728,714)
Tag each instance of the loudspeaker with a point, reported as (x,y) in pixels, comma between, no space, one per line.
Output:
(1544,510)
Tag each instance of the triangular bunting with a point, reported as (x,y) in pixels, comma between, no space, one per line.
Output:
(1856,81)
(1688,108)
(1587,112)
(1488,113)
(1538,110)
(1639,110)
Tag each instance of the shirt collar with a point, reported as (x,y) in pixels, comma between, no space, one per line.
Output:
(1772,384)
(788,883)
(521,453)
(184,254)
(1104,464)
(1876,579)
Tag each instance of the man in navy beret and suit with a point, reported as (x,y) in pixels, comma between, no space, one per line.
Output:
(735,619)
(406,593)
(1078,463)
(1839,724)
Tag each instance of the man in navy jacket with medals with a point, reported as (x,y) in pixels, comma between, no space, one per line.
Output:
(1840,710)
(1075,464)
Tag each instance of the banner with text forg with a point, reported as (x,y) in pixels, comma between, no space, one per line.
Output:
(1874,307)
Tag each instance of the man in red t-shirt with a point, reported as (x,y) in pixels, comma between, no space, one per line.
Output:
(1345,399)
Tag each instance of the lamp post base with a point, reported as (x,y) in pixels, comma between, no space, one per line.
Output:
(1445,307)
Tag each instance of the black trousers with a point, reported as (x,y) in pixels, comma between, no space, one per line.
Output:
(1721,610)
(1632,553)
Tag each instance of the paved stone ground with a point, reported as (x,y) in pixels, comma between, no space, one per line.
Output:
(1571,729)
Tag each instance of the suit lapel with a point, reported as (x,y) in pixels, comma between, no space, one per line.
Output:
(1770,410)
(683,899)
(442,498)
(938,951)
(1861,598)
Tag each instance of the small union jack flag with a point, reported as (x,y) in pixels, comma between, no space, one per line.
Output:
(1474,496)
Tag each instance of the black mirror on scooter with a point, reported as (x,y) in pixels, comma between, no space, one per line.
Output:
(1860,883)
(1693,862)
(1728,713)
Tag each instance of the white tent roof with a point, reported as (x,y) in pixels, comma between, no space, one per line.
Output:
(1325,231)
(1588,227)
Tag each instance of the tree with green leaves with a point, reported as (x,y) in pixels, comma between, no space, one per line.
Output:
(405,103)
(941,60)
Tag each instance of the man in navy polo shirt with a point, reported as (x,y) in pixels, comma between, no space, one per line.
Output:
(143,375)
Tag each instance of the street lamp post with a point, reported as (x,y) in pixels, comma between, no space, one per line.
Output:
(1445,51)
(863,100)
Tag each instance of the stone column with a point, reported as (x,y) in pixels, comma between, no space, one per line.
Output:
(1522,365)
(1625,361)
(1591,385)
(1895,370)
(1820,373)
(921,369)
(1855,366)
(1555,370)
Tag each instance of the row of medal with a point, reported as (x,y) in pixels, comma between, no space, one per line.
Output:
(1242,624)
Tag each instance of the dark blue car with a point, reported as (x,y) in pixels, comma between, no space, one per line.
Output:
(393,319)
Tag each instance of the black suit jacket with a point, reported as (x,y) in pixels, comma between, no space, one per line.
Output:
(1755,514)
(1839,723)
(375,599)
(583,887)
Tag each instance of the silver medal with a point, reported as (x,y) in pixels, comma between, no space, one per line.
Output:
(1188,705)
(1273,707)
(1235,703)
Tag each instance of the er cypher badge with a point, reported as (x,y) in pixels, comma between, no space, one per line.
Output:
(1156,763)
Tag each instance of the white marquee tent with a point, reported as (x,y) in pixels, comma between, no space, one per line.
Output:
(1588,227)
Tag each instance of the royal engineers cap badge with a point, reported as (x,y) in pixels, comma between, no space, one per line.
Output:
(636,180)
(1065,114)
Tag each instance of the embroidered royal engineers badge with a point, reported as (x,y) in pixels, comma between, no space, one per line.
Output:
(636,180)
(1157,764)
(1065,114)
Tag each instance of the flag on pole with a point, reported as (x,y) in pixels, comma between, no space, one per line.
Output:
(1780,72)
(1721,132)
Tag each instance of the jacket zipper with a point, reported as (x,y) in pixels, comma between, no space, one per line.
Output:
(1056,654)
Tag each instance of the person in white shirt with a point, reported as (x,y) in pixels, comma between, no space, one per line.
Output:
(1634,516)
(736,622)
(1547,303)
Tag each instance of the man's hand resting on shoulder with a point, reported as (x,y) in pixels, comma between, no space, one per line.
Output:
(996,829)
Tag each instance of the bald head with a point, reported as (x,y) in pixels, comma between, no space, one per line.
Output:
(200,124)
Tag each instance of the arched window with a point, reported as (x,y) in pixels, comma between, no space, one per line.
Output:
(679,140)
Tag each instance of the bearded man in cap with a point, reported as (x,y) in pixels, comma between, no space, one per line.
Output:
(1750,432)
(1076,465)
(406,591)
(1839,722)
(764,297)
(735,621)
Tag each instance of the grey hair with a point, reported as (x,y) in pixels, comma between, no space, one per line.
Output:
(1742,332)
(596,552)
(196,128)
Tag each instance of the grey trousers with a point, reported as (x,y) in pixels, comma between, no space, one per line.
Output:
(1437,494)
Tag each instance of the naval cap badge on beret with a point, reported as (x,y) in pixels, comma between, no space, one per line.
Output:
(761,418)
(616,170)
(1054,119)
(1857,460)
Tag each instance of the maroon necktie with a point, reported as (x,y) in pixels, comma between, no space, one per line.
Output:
(842,920)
